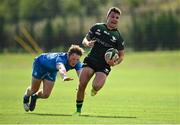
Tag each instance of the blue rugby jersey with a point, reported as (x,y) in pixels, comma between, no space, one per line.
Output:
(50,60)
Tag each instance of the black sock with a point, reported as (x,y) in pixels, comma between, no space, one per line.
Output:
(35,96)
(79,105)
(26,96)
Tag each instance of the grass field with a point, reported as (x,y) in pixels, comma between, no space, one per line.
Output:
(145,88)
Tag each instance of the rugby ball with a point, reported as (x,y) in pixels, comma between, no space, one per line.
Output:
(111,54)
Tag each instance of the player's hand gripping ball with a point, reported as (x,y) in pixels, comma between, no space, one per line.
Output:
(111,54)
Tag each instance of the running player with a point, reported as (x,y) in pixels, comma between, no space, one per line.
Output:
(45,68)
(100,38)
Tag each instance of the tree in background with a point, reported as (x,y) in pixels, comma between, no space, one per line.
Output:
(62,22)
(2,38)
(168,29)
(154,28)
(48,37)
(156,31)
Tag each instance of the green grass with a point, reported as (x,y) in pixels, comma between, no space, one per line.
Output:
(145,88)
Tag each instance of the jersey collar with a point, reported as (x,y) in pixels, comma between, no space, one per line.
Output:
(108,28)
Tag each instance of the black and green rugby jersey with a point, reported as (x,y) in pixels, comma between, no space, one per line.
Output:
(105,39)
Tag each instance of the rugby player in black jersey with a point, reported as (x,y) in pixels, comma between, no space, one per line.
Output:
(100,38)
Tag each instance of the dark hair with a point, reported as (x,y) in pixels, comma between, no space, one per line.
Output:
(75,49)
(114,9)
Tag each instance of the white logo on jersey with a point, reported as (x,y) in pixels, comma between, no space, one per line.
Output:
(35,73)
(51,78)
(113,39)
(106,70)
(98,32)
(106,33)
(123,43)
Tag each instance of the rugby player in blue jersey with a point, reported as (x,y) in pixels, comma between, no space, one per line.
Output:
(45,68)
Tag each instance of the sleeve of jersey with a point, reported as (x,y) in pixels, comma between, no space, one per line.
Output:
(78,66)
(120,43)
(60,61)
(90,35)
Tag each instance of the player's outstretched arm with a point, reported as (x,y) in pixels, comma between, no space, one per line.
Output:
(88,43)
(62,72)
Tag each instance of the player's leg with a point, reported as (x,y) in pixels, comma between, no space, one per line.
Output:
(48,84)
(35,84)
(47,89)
(85,76)
(43,93)
(98,82)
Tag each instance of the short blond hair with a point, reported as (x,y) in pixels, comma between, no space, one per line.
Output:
(76,49)
(115,10)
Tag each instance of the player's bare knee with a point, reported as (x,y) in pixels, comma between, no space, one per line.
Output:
(45,96)
(97,87)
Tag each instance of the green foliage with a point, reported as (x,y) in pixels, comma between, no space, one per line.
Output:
(9,10)
(167,25)
(72,8)
(48,36)
(135,3)
(146,27)
(2,33)
(156,31)
(31,9)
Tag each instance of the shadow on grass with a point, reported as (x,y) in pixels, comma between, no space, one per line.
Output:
(83,115)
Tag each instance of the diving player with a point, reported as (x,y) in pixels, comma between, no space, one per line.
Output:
(45,68)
